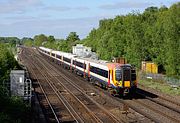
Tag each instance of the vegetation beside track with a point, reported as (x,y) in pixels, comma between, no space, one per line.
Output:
(151,36)
(160,86)
(12,109)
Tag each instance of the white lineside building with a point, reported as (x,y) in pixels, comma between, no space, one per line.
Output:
(83,51)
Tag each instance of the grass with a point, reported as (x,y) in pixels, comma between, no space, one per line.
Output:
(160,86)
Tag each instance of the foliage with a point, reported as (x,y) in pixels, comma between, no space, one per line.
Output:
(7,62)
(51,42)
(51,39)
(62,44)
(150,36)
(27,41)
(72,37)
(12,108)
(39,39)
(11,40)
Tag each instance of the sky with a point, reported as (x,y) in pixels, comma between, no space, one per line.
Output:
(27,18)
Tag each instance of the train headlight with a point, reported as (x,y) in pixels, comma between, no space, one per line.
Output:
(120,83)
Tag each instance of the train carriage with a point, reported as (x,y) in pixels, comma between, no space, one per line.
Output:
(79,66)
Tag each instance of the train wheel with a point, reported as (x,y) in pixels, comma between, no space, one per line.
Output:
(132,93)
(112,92)
(121,93)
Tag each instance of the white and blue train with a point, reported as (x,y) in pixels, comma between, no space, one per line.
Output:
(119,78)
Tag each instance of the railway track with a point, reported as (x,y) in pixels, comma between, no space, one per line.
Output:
(146,107)
(82,97)
(87,115)
(103,96)
(71,109)
(48,109)
(155,104)
(161,105)
(156,108)
(89,109)
(103,99)
(170,104)
(47,99)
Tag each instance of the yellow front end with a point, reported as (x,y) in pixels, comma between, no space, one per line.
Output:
(116,83)
(127,84)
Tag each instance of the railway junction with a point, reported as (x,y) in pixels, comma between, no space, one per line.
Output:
(63,96)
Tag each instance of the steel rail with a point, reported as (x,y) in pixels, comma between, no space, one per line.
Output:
(49,103)
(157,111)
(90,112)
(95,118)
(159,102)
(79,89)
(65,104)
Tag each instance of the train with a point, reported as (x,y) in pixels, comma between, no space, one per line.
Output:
(119,79)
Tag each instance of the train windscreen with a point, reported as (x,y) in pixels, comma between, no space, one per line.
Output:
(118,75)
(133,75)
(126,73)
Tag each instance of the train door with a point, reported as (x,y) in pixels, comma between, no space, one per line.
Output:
(71,65)
(109,77)
(88,68)
(84,66)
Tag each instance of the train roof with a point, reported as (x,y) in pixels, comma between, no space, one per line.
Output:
(117,65)
(92,61)
(45,49)
(68,55)
(102,62)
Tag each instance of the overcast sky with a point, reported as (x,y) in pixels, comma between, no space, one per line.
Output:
(26,18)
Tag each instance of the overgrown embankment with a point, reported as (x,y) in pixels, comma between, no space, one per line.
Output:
(12,109)
(152,35)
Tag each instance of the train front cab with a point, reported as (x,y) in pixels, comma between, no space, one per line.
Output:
(124,79)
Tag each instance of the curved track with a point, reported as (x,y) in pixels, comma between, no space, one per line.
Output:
(86,108)
(154,107)
(46,95)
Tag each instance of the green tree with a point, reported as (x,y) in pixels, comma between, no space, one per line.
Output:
(172,40)
(39,39)
(51,39)
(27,41)
(152,35)
(11,40)
(12,108)
(7,62)
(72,37)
